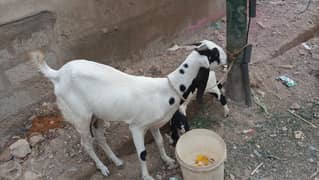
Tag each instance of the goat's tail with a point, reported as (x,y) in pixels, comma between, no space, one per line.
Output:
(37,58)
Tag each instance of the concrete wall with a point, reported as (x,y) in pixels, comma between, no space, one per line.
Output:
(104,30)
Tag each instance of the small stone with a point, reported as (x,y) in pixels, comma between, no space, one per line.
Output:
(158,177)
(5,155)
(105,30)
(30,175)
(220,37)
(261,93)
(35,139)
(302,52)
(315,56)
(232,177)
(311,160)
(260,24)
(295,106)
(284,128)
(299,135)
(20,148)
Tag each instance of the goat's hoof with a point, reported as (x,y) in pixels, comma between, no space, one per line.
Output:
(120,164)
(148,178)
(104,170)
(172,166)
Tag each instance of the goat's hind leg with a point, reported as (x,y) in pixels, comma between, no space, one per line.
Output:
(99,129)
(87,139)
(82,125)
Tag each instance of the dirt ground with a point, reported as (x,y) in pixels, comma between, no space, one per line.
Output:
(264,135)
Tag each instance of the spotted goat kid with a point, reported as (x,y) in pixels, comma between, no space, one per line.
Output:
(179,123)
(89,94)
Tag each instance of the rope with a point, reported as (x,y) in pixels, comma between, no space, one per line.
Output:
(176,91)
(233,57)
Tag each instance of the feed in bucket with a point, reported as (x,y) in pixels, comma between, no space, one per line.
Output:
(203,160)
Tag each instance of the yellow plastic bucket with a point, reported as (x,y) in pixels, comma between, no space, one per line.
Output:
(206,142)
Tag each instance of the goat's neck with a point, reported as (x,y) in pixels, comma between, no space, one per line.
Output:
(185,74)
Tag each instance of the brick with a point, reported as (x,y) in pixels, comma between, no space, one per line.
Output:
(21,72)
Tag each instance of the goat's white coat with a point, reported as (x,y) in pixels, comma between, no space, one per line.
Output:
(85,89)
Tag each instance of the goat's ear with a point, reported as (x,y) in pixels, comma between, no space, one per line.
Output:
(201,82)
(214,56)
(201,48)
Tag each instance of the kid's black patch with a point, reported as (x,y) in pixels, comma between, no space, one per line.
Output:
(181,71)
(143,155)
(220,86)
(182,87)
(223,100)
(171,100)
(185,65)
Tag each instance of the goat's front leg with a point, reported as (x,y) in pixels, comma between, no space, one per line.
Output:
(138,138)
(159,142)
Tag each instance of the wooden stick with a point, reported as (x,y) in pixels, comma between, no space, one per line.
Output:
(301,118)
(254,171)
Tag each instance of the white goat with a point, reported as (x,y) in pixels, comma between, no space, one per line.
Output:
(90,93)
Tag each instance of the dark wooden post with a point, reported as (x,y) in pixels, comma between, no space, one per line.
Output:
(237,28)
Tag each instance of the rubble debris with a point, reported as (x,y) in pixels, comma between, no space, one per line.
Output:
(286,81)
(5,155)
(306,46)
(299,135)
(10,170)
(261,93)
(248,131)
(301,118)
(295,106)
(31,175)
(260,24)
(20,148)
(256,169)
(35,139)
(286,66)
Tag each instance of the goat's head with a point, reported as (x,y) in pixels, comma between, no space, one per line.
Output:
(214,53)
